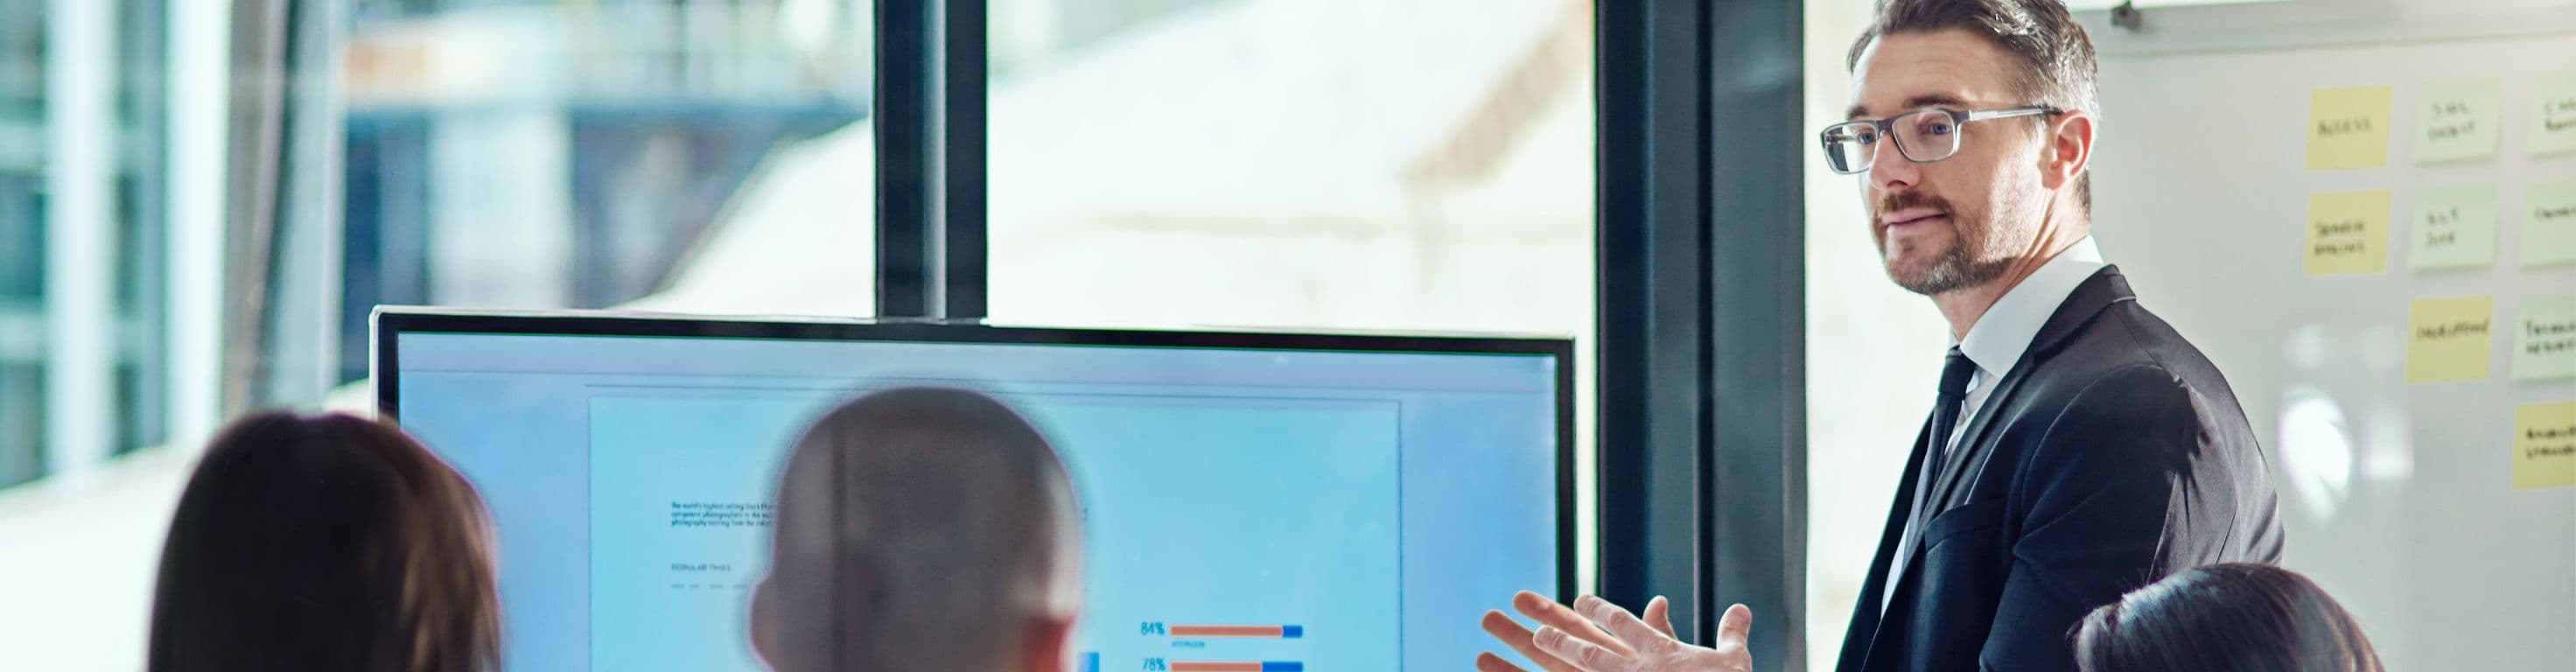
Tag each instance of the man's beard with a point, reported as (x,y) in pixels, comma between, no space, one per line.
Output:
(1955,269)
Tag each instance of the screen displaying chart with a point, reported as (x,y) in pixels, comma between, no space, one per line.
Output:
(1243,509)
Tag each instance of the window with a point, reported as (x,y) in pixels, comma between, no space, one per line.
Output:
(530,154)
(81,272)
(1337,164)
(1261,163)
(1297,163)
(589,155)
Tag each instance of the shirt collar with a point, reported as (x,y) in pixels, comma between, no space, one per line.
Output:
(1999,337)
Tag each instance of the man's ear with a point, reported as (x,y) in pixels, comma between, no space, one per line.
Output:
(1049,645)
(2070,149)
(764,624)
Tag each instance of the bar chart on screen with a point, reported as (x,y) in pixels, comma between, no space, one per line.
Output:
(1183,636)
(1277,580)
(1199,637)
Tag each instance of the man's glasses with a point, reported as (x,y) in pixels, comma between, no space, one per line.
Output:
(1921,137)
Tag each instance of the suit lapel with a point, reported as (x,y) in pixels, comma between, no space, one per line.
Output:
(1871,635)
(2106,287)
(1972,444)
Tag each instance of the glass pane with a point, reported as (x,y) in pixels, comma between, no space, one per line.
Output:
(81,278)
(1363,164)
(486,153)
(83,326)
(1269,163)
(571,154)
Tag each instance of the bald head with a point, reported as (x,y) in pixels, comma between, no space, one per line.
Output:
(920,529)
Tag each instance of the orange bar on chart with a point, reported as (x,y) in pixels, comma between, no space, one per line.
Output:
(1263,631)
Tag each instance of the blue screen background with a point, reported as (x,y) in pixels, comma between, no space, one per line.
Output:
(1378,502)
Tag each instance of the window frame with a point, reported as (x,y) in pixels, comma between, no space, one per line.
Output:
(1700,287)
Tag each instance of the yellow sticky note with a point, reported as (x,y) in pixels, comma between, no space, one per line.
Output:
(2544,338)
(2446,339)
(2348,232)
(2553,118)
(2459,120)
(2544,445)
(2348,128)
(2549,235)
(2455,227)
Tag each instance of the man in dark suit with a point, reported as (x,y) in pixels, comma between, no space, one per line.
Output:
(2077,446)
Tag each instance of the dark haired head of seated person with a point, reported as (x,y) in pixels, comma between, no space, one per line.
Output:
(920,530)
(2236,616)
(325,542)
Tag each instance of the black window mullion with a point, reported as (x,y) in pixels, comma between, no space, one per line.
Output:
(1652,237)
(1757,479)
(963,249)
(929,118)
(1702,409)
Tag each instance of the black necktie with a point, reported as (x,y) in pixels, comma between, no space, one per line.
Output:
(1945,410)
(1945,419)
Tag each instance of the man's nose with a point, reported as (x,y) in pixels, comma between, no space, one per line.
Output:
(1888,168)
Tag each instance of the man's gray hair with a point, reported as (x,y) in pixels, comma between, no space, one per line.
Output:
(2058,67)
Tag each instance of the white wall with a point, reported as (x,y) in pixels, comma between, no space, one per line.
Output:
(2417,539)
(1873,356)
(2395,497)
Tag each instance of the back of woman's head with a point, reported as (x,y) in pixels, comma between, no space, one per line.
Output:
(2239,617)
(325,542)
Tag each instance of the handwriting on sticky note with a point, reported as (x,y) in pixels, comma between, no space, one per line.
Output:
(2447,339)
(2544,338)
(2553,119)
(2348,128)
(2549,234)
(2454,227)
(2348,232)
(2460,120)
(2544,445)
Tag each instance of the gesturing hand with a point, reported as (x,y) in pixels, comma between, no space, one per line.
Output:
(1550,614)
(1597,636)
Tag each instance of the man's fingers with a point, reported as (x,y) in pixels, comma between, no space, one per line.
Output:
(1504,628)
(1659,613)
(1561,617)
(1585,655)
(1735,626)
(1635,633)
(1487,662)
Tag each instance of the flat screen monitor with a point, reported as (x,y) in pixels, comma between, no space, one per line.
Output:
(1266,501)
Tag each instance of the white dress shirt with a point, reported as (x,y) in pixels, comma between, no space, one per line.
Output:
(1995,343)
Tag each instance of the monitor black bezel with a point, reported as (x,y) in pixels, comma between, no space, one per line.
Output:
(389,322)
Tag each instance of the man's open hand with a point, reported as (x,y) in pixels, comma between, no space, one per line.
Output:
(1597,636)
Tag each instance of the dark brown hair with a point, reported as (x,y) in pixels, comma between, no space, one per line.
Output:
(916,519)
(2243,617)
(325,542)
(2055,54)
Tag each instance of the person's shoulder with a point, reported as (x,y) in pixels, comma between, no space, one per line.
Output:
(2127,354)
(2130,378)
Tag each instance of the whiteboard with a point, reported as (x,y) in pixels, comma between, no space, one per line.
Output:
(2395,497)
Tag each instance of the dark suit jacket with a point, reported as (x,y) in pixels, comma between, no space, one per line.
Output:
(2111,455)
